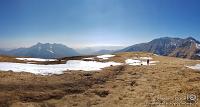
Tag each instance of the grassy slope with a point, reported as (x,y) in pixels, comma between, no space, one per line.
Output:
(116,86)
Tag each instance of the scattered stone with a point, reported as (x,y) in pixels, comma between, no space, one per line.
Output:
(120,98)
(120,79)
(87,74)
(114,86)
(133,83)
(101,93)
(100,81)
(180,91)
(131,89)
(75,104)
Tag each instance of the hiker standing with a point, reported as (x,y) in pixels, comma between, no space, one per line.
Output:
(147,61)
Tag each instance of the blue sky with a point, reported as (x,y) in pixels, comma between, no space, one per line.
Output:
(80,23)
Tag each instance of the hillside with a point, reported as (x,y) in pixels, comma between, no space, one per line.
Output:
(123,85)
(177,47)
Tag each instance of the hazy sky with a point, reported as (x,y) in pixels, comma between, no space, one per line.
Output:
(79,23)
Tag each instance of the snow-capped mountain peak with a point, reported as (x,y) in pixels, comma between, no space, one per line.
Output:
(46,50)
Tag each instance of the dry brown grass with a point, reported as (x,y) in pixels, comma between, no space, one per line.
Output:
(121,86)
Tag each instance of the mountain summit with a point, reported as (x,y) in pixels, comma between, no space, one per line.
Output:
(177,47)
(46,50)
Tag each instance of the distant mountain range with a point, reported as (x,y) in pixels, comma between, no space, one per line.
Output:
(104,51)
(40,50)
(3,52)
(177,47)
(98,50)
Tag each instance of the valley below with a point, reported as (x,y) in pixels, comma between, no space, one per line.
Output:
(169,82)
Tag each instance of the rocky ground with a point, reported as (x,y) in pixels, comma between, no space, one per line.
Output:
(168,83)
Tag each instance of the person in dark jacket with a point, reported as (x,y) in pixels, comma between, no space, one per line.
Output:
(147,61)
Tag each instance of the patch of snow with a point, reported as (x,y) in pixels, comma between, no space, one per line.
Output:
(153,62)
(146,58)
(35,59)
(89,65)
(139,62)
(31,62)
(130,61)
(196,67)
(156,54)
(198,46)
(90,58)
(173,43)
(135,58)
(134,62)
(198,54)
(105,56)
(50,51)
(56,68)
(39,48)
